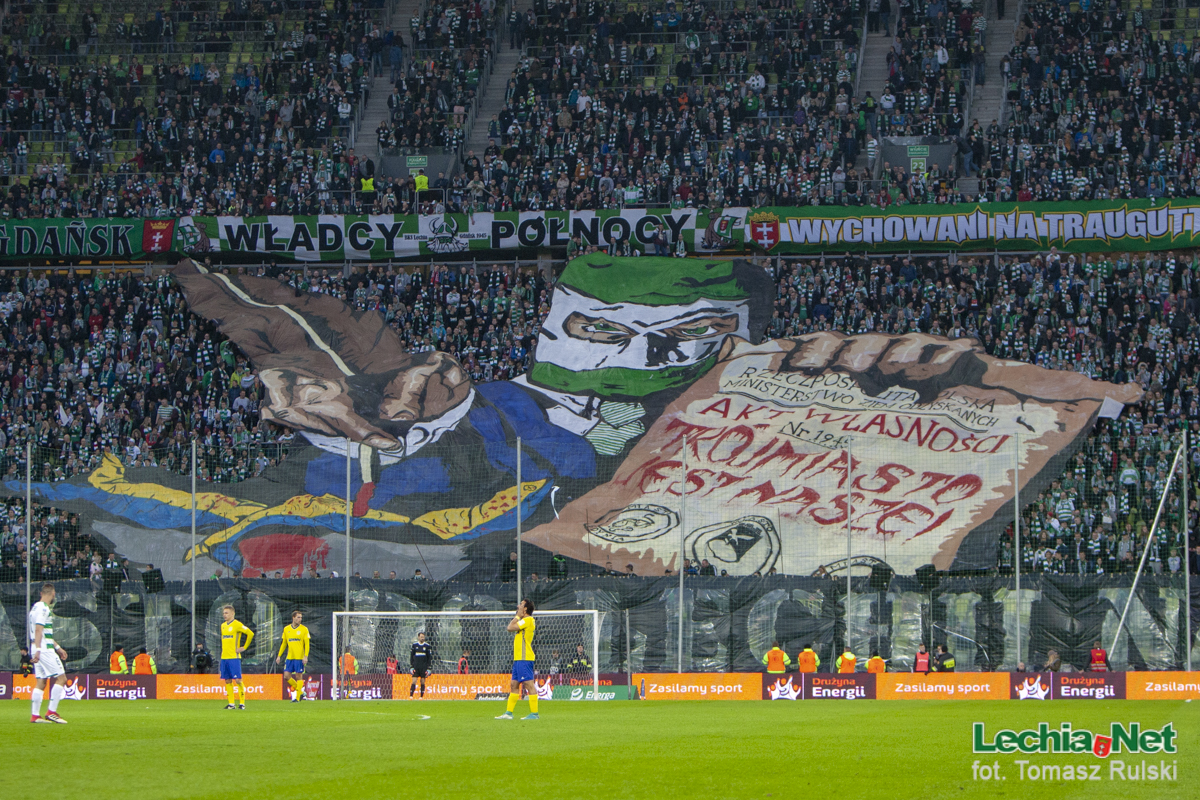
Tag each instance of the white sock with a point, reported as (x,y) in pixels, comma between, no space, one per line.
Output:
(57,693)
(37,702)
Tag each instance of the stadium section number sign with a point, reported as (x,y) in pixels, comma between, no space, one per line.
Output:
(416,162)
(1091,226)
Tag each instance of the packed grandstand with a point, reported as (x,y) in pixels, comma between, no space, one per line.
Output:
(201,107)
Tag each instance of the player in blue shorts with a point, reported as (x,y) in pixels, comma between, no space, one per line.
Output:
(232,647)
(522,627)
(295,645)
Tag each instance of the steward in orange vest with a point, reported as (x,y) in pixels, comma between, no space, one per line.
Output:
(144,664)
(846,661)
(116,662)
(776,660)
(807,660)
(875,664)
(349,663)
(1099,659)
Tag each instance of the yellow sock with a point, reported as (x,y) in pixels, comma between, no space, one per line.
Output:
(242,691)
(533,702)
(229,692)
(512,701)
(292,684)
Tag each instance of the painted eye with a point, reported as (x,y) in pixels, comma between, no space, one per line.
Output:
(603,327)
(702,330)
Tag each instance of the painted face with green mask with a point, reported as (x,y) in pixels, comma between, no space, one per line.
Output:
(627,328)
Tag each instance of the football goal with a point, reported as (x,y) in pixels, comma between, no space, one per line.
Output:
(567,645)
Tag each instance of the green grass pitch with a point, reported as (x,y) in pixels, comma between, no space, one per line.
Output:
(704,749)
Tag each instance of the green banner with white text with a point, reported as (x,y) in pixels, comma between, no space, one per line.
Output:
(1097,226)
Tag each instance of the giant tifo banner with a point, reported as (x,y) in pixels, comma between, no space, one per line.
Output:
(1093,226)
(656,424)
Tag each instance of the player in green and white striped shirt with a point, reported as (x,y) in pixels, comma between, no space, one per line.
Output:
(47,658)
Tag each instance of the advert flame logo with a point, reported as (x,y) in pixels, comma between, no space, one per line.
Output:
(1033,689)
(784,689)
(74,690)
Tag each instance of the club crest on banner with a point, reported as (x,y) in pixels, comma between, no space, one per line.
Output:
(443,234)
(764,229)
(158,235)
(719,234)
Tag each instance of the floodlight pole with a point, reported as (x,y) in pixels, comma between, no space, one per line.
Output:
(682,545)
(1146,550)
(348,513)
(29,527)
(849,537)
(194,554)
(518,522)
(1187,561)
(1017,531)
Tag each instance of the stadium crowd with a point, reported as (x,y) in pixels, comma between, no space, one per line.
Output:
(453,45)
(183,118)
(116,363)
(685,104)
(938,48)
(1103,107)
(608,110)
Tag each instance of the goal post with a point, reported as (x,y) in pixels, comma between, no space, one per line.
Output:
(374,636)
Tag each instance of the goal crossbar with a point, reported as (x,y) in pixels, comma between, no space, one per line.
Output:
(583,612)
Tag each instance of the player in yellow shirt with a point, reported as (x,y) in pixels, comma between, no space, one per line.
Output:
(522,627)
(295,642)
(231,657)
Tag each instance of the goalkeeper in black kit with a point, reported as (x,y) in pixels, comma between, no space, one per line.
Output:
(420,659)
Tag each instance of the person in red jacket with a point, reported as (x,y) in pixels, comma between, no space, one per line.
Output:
(464,663)
(1099,662)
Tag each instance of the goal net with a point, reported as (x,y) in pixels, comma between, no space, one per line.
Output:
(472,652)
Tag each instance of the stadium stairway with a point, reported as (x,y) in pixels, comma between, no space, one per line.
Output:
(874,74)
(492,101)
(377,110)
(989,98)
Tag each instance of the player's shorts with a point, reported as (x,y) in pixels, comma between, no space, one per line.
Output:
(48,665)
(420,673)
(231,669)
(522,671)
(294,666)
